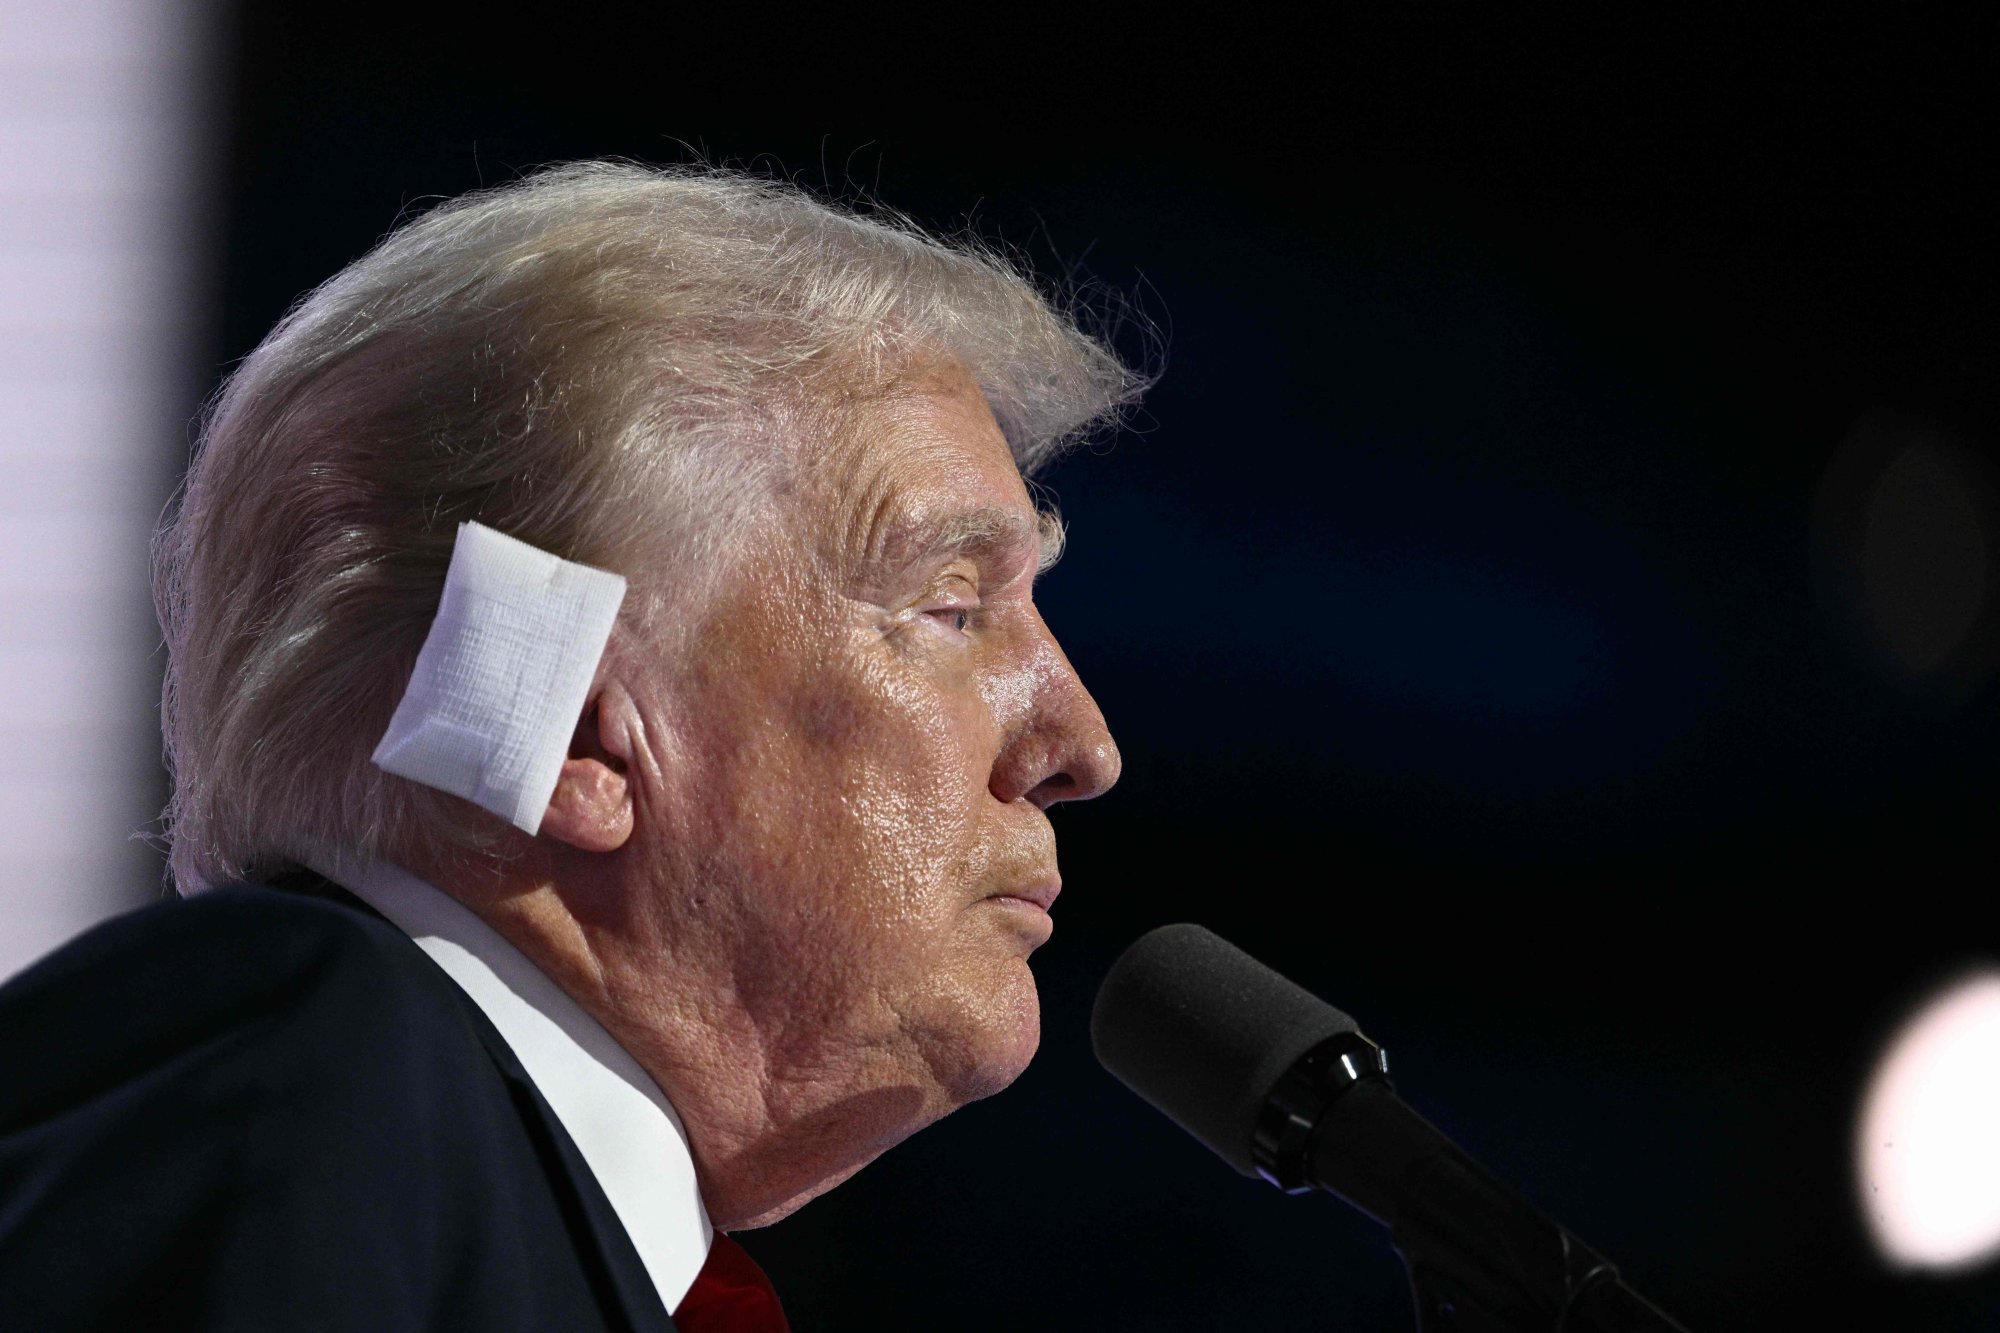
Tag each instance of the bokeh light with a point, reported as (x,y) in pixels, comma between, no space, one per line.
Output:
(1928,1143)
(1908,534)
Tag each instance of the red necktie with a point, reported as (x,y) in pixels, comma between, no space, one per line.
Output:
(730,1295)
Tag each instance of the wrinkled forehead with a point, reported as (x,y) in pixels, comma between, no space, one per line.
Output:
(920,465)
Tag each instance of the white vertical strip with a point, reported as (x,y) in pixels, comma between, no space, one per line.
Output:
(104,129)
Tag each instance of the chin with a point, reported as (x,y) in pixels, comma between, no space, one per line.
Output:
(1000,1034)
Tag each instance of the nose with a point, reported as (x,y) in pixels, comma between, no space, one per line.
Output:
(1061,750)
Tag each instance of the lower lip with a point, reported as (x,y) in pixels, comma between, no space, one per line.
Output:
(1029,904)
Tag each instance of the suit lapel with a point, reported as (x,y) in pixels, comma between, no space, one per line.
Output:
(617,1272)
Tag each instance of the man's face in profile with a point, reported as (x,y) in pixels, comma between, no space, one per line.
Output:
(874,722)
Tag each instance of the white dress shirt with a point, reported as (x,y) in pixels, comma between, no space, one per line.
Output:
(620,1120)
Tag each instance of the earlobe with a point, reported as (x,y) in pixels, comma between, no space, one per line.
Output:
(592,808)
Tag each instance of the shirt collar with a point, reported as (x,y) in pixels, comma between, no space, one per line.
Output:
(619,1119)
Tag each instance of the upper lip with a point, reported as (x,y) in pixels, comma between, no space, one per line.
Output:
(1042,893)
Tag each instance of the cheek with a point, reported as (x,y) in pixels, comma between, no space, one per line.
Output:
(858,800)
(903,759)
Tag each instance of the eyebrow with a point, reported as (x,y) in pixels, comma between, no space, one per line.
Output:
(987,530)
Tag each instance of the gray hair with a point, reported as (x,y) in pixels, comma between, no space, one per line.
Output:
(600,360)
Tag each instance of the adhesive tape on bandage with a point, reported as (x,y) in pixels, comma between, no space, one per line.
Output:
(503,676)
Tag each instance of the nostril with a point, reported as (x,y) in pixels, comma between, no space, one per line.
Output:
(1056,787)
(1092,776)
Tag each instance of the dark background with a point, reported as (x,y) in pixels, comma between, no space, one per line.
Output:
(1488,645)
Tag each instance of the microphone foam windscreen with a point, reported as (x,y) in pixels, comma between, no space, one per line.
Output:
(1204,1032)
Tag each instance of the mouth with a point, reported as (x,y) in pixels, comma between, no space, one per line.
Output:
(1040,895)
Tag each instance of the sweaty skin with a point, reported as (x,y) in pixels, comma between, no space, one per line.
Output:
(798,872)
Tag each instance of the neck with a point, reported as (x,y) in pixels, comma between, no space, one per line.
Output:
(774,1117)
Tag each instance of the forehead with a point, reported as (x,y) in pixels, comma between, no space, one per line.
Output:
(920,458)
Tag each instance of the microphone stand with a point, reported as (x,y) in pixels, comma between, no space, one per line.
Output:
(1481,1259)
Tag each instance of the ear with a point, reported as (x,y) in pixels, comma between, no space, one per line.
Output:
(592,807)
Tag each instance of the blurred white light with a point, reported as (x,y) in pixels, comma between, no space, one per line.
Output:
(105,139)
(1928,1144)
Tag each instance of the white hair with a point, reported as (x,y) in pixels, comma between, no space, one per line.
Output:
(599,360)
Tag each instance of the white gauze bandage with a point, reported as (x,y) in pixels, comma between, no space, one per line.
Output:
(503,676)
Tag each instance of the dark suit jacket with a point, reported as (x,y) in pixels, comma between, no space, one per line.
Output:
(264,1111)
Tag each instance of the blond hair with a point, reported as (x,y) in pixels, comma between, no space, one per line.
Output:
(593,359)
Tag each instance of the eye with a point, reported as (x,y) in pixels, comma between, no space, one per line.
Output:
(951,609)
(952,621)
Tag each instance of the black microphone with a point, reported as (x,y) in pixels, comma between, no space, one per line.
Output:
(1282,1085)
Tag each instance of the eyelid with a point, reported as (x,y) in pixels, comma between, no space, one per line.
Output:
(952,589)
(949,596)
